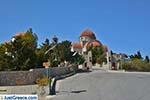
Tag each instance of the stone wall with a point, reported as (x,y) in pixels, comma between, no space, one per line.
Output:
(11,78)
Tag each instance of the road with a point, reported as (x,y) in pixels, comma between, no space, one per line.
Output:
(103,85)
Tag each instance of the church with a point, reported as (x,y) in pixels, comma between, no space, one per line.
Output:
(87,38)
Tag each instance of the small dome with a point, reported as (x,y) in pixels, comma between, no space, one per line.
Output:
(20,34)
(88,33)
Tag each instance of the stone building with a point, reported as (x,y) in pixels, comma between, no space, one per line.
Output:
(114,60)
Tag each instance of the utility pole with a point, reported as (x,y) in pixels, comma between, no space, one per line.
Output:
(53,81)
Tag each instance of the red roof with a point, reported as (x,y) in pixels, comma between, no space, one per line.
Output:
(20,34)
(76,45)
(7,42)
(88,33)
(105,48)
(94,44)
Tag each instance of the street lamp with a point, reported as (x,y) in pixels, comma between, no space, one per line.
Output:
(13,39)
(53,82)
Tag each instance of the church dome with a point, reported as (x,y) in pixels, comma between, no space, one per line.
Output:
(88,33)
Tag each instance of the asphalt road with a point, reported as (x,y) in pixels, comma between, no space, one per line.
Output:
(102,85)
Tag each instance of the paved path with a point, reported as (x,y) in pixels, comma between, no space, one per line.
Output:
(102,85)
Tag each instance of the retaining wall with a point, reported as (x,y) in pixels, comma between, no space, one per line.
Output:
(12,78)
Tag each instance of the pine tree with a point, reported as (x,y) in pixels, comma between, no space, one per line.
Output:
(19,54)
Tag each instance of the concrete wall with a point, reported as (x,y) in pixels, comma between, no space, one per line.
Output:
(11,78)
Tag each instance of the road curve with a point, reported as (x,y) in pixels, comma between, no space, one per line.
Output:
(103,85)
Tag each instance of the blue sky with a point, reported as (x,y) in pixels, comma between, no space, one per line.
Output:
(123,25)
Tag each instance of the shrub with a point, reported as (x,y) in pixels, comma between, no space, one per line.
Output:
(136,65)
(126,65)
(44,81)
(71,69)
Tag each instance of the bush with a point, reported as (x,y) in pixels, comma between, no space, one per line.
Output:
(43,81)
(71,69)
(126,65)
(136,65)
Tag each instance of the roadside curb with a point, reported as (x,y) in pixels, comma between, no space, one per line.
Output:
(123,71)
(116,71)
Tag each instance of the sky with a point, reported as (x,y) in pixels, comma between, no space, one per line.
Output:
(122,25)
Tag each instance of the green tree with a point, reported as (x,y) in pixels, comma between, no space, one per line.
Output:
(46,43)
(19,54)
(5,57)
(139,56)
(101,59)
(98,55)
(146,59)
(64,51)
(24,51)
(41,55)
(136,56)
(60,53)
(65,54)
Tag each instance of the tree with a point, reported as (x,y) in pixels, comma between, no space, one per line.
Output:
(40,53)
(24,51)
(19,54)
(146,59)
(65,54)
(5,57)
(136,56)
(64,51)
(139,56)
(60,53)
(98,55)
(101,59)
